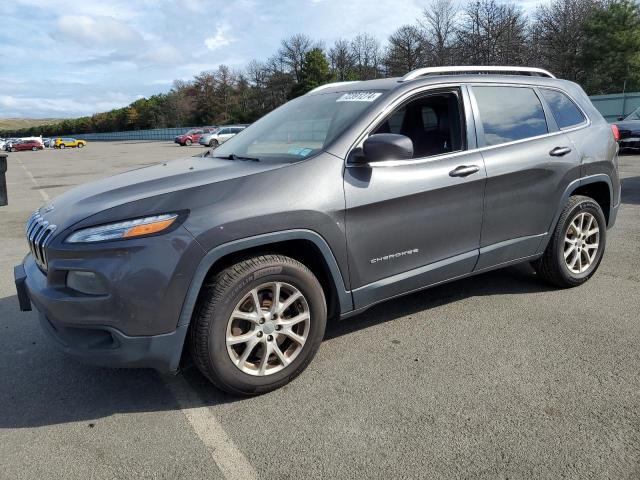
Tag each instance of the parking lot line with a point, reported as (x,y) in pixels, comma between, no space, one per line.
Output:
(45,196)
(228,457)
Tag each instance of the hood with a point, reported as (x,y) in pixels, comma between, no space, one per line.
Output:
(177,175)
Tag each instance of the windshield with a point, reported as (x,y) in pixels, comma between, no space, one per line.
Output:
(635,115)
(300,128)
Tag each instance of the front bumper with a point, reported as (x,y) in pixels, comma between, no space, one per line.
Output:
(100,344)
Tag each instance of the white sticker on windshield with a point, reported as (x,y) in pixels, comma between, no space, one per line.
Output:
(359,97)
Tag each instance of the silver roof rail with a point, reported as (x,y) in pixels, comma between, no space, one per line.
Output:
(329,85)
(421,72)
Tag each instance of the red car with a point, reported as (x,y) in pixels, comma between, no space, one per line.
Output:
(192,136)
(26,145)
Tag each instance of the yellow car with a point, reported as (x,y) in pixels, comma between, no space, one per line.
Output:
(69,142)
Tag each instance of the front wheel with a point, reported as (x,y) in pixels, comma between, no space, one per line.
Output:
(213,143)
(577,244)
(80,145)
(13,149)
(187,142)
(62,146)
(258,324)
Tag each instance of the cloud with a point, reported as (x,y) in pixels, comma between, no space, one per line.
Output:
(99,31)
(219,39)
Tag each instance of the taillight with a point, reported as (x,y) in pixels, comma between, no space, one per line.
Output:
(616,131)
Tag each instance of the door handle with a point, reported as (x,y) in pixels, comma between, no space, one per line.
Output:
(559,151)
(464,171)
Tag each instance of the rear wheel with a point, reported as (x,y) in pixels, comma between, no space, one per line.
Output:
(576,246)
(62,146)
(258,324)
(34,148)
(187,142)
(13,149)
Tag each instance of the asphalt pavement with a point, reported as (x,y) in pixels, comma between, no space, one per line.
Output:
(495,376)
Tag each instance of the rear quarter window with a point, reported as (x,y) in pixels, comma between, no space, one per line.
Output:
(564,110)
(509,114)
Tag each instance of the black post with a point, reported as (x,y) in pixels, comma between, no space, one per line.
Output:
(4,199)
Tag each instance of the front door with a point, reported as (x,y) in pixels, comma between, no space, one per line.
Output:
(411,223)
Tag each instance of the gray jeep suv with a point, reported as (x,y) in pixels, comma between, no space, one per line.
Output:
(345,197)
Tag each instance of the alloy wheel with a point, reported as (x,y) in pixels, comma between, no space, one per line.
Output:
(268,328)
(581,243)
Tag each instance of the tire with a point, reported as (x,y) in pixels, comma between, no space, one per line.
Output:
(213,322)
(80,145)
(13,149)
(213,143)
(552,267)
(34,149)
(187,142)
(62,146)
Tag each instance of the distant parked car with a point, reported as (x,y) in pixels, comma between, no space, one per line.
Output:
(69,143)
(8,143)
(193,135)
(629,128)
(26,145)
(221,135)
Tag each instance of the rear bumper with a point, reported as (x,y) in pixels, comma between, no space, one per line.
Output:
(629,143)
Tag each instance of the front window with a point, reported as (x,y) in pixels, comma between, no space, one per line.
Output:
(433,122)
(300,128)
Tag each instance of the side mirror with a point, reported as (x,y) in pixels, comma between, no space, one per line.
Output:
(387,146)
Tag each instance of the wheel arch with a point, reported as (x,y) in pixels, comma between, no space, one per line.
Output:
(305,246)
(599,187)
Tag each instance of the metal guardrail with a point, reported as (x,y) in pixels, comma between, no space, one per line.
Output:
(132,135)
(616,105)
(4,198)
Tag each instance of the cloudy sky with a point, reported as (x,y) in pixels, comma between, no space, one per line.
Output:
(65,58)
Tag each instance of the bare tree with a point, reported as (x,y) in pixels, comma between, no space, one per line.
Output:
(557,36)
(293,49)
(367,55)
(439,24)
(406,51)
(492,33)
(341,60)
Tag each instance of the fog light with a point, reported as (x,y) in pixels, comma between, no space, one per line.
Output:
(86,282)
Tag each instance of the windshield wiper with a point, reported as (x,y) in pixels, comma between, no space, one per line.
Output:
(233,156)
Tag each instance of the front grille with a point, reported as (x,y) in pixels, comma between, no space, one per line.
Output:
(39,234)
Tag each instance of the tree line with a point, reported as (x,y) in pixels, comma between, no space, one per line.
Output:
(593,42)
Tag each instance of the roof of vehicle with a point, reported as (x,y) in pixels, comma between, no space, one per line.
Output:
(410,81)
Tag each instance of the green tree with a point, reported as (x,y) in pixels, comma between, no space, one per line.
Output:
(313,73)
(611,52)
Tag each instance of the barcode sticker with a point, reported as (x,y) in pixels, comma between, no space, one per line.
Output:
(359,97)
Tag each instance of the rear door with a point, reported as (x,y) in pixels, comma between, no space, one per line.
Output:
(529,163)
(411,223)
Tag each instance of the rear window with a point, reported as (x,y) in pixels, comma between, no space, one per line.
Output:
(509,114)
(564,110)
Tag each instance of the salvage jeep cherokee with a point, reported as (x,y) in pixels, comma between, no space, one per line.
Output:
(352,194)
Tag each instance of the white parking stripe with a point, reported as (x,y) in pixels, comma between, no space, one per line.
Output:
(229,459)
(43,194)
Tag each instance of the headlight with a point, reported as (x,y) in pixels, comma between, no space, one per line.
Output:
(126,229)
